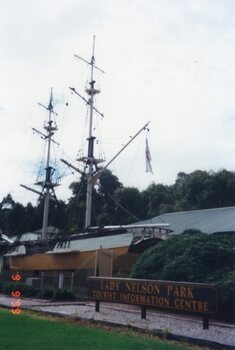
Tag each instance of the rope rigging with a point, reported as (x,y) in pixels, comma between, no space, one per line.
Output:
(123,208)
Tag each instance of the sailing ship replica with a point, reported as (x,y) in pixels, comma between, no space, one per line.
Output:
(80,251)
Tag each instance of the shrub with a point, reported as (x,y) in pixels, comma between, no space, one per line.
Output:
(1,285)
(8,288)
(47,293)
(64,294)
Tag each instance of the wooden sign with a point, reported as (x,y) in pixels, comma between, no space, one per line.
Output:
(195,298)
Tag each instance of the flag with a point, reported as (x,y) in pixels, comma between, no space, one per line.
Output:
(148,159)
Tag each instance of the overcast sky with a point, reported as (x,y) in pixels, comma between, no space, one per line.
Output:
(168,61)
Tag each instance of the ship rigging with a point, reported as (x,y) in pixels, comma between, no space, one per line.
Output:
(80,250)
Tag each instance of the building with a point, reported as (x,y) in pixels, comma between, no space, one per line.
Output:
(209,221)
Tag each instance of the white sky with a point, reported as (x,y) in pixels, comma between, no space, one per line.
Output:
(168,61)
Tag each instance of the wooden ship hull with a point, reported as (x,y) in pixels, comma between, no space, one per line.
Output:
(82,251)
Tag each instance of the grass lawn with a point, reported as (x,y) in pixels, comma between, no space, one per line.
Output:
(27,331)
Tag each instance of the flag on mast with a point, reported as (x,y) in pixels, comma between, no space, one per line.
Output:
(148,159)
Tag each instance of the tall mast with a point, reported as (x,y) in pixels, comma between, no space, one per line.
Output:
(47,185)
(91,91)
(93,174)
(89,160)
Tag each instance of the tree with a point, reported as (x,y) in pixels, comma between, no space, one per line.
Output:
(221,190)
(76,206)
(103,203)
(108,183)
(129,205)
(114,204)
(12,216)
(191,190)
(17,219)
(157,200)
(30,224)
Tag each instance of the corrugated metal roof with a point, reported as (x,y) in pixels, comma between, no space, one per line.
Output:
(207,220)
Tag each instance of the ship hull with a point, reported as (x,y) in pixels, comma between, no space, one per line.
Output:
(69,261)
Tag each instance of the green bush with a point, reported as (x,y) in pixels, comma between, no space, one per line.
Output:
(64,294)
(8,288)
(25,290)
(226,287)
(47,293)
(31,291)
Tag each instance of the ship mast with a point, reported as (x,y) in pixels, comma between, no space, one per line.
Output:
(90,160)
(93,174)
(50,128)
(91,91)
(47,185)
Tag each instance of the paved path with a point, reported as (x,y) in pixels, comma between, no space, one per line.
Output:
(219,335)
